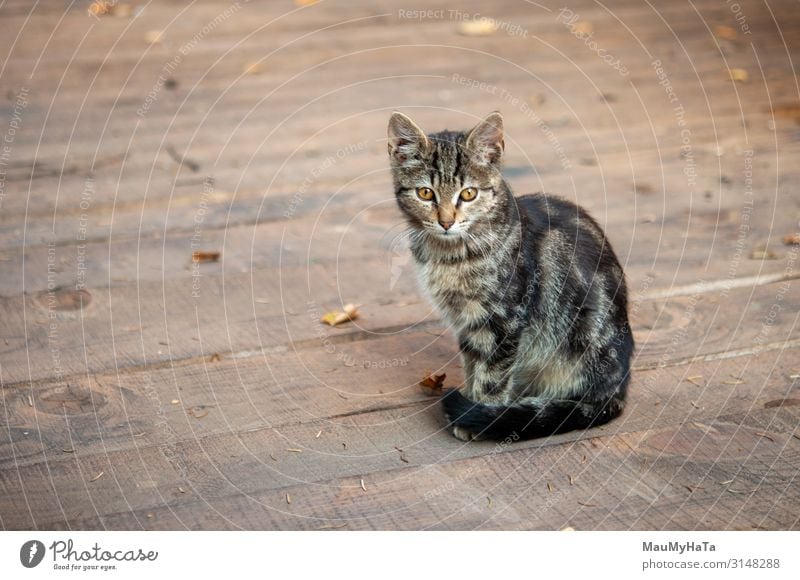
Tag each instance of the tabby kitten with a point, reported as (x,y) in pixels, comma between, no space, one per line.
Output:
(530,285)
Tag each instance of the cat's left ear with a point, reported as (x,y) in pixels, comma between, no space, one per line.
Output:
(485,142)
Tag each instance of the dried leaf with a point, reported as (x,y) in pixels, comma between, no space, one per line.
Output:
(154,36)
(582,27)
(98,476)
(180,489)
(792,240)
(738,74)
(432,384)
(364,487)
(109,8)
(725,32)
(288,499)
(489,499)
(291,450)
(253,68)
(100,8)
(587,504)
(215,357)
(68,450)
(201,256)
(334,317)
(765,436)
(787,110)
(477,27)
(318,434)
(549,487)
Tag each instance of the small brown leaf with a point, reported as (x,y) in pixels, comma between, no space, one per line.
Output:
(154,36)
(432,384)
(253,68)
(738,74)
(792,240)
(201,256)
(215,357)
(477,27)
(583,27)
(334,317)
(725,32)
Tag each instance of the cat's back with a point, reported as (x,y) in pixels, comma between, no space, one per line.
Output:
(569,246)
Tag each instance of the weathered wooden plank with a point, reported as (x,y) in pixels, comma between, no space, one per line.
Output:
(737,467)
(237,436)
(156,323)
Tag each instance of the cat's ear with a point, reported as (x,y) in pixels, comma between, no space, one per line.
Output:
(406,141)
(485,142)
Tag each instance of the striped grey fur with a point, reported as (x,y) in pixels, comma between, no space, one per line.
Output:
(530,285)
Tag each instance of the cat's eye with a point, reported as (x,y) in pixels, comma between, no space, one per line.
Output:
(425,193)
(469,194)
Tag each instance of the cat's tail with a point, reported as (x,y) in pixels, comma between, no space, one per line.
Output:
(529,418)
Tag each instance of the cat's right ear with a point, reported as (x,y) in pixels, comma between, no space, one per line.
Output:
(407,142)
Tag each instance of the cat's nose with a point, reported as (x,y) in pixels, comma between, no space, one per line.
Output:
(446,224)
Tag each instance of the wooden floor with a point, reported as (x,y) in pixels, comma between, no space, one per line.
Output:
(143,391)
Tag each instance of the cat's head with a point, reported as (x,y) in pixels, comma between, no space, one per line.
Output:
(448,183)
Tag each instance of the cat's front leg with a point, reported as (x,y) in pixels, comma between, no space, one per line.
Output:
(487,382)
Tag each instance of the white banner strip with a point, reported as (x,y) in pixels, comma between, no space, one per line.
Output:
(390,555)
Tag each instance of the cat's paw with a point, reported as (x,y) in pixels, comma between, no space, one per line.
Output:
(464,434)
